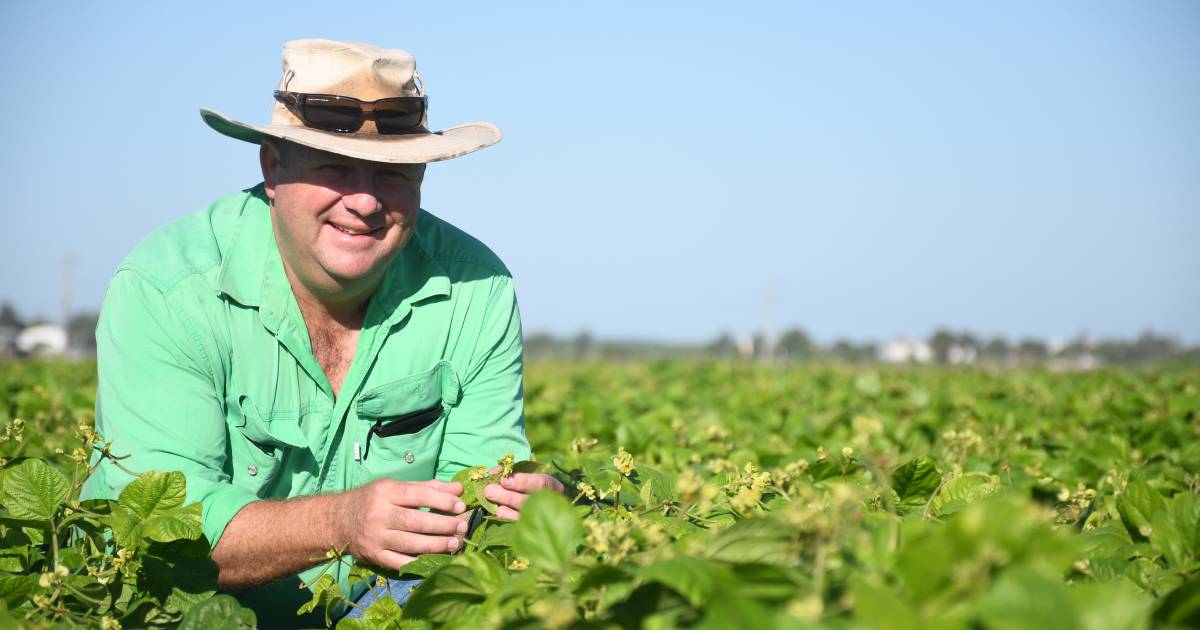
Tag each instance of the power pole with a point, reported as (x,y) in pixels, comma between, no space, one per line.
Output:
(68,263)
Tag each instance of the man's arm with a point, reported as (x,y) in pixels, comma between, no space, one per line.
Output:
(381,523)
(157,402)
(490,419)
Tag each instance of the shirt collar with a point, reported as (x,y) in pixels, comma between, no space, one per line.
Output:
(244,265)
(252,270)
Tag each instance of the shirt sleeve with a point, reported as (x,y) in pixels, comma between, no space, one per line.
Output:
(489,420)
(157,402)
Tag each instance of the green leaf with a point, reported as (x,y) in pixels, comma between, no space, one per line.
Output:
(1137,505)
(446,594)
(384,614)
(464,475)
(488,573)
(1110,605)
(880,607)
(154,493)
(915,482)
(34,490)
(14,589)
(426,564)
(962,491)
(325,592)
(735,612)
(691,577)
(751,540)
(177,524)
(221,612)
(528,466)
(1181,607)
(1023,599)
(548,532)
(178,581)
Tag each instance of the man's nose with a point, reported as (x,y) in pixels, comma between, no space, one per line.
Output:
(362,196)
(363,201)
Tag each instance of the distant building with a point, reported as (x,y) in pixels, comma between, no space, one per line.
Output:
(42,340)
(905,351)
(962,354)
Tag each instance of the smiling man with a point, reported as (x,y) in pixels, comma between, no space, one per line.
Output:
(318,354)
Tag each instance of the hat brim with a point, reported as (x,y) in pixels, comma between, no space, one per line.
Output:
(436,146)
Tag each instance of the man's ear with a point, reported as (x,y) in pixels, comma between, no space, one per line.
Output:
(268,160)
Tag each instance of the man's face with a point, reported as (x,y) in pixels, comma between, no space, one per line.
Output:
(339,221)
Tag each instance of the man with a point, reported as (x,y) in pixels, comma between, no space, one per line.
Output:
(318,354)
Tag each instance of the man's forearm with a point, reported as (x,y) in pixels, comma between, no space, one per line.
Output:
(268,540)
(384,522)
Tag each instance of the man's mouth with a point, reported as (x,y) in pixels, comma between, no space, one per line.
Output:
(352,231)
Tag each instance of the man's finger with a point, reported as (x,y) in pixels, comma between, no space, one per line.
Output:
(389,559)
(413,544)
(507,513)
(453,487)
(531,482)
(501,496)
(412,520)
(419,495)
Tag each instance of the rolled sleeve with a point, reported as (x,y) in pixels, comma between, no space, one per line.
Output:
(489,420)
(157,402)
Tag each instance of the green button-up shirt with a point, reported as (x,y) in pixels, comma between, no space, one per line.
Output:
(206,368)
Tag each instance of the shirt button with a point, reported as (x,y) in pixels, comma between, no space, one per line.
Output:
(408,457)
(252,469)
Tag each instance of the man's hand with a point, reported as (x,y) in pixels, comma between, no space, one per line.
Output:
(384,525)
(510,494)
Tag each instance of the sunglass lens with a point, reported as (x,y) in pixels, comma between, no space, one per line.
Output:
(333,114)
(398,116)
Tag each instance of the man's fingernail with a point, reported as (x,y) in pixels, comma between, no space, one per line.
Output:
(507,481)
(452,544)
(460,507)
(490,492)
(462,527)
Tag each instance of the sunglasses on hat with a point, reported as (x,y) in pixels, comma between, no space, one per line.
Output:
(345,114)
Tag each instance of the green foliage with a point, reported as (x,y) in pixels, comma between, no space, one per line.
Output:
(137,561)
(703,495)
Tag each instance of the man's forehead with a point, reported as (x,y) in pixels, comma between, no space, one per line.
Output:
(309,155)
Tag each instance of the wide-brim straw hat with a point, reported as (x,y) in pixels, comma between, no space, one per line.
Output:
(367,73)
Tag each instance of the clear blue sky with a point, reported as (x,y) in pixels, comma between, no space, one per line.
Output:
(867,170)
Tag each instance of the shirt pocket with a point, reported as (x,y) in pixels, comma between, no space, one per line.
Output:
(262,445)
(401,424)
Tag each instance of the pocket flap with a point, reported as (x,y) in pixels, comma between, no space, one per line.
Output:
(275,431)
(411,393)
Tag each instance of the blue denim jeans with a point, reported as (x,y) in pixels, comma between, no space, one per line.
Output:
(398,590)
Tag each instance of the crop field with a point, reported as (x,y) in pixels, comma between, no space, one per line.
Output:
(698,495)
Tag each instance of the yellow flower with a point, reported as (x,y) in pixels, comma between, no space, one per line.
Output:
(586,490)
(579,445)
(687,484)
(506,465)
(623,461)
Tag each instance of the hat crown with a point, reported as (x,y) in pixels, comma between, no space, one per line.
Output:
(361,71)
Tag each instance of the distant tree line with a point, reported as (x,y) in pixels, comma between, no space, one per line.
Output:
(942,347)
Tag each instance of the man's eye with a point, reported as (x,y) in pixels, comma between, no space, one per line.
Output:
(397,176)
(333,170)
